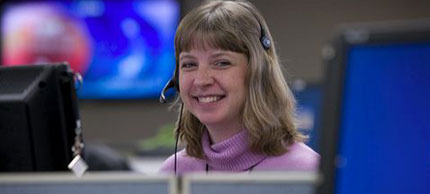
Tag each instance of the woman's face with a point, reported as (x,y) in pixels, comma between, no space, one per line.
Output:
(212,85)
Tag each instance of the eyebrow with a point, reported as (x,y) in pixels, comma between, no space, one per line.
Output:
(220,53)
(186,56)
(214,55)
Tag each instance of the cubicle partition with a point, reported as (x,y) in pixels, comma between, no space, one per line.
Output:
(250,183)
(93,183)
(132,183)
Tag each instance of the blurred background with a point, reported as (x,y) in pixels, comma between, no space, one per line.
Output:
(124,51)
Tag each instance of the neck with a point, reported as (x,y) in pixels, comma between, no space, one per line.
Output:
(219,133)
(232,154)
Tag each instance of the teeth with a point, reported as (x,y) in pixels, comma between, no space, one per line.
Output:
(209,99)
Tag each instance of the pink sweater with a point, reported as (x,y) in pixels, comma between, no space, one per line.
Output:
(234,155)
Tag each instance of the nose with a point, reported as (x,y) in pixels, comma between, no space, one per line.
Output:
(203,77)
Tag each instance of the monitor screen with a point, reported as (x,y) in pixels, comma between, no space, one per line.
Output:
(384,133)
(123,49)
(38,113)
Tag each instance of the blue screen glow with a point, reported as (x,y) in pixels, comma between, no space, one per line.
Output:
(385,121)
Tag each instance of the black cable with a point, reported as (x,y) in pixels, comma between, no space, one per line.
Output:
(177,135)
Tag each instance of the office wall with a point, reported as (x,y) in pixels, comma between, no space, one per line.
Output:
(300,29)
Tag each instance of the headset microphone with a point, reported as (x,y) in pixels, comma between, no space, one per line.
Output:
(170,84)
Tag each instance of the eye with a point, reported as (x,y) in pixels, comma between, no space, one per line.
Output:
(223,63)
(188,65)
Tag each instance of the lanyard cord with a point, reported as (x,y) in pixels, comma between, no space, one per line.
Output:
(249,169)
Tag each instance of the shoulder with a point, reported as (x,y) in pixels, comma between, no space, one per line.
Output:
(298,157)
(184,163)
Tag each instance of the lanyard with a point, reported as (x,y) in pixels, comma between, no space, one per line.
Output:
(249,169)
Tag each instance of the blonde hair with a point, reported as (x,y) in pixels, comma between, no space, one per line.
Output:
(268,113)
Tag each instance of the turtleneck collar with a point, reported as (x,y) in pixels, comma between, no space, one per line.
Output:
(232,154)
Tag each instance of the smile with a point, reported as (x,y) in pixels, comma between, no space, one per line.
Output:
(209,99)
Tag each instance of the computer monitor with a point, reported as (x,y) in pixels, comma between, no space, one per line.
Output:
(38,113)
(376,127)
(122,49)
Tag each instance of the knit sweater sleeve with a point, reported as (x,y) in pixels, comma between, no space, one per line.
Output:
(168,165)
(298,157)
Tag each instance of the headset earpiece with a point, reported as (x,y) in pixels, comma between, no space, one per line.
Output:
(265,42)
(263,38)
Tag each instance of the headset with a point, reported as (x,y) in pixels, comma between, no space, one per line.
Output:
(174,83)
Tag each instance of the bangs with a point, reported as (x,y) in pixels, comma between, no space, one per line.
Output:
(205,37)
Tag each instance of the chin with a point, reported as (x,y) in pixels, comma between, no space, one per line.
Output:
(209,120)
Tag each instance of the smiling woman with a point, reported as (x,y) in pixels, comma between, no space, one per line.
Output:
(237,110)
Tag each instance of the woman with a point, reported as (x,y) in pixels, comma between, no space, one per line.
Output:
(237,109)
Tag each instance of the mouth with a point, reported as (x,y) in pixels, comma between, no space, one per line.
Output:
(209,99)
